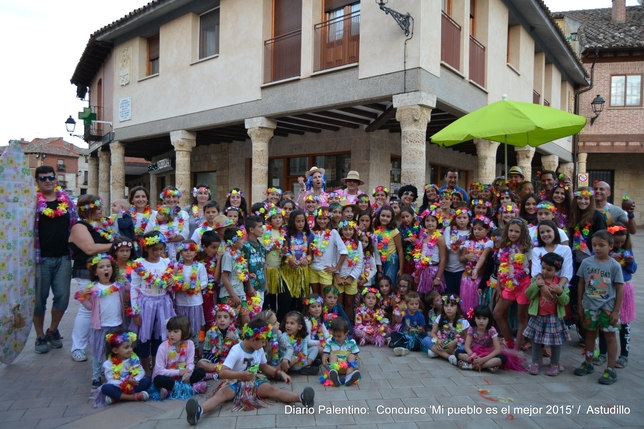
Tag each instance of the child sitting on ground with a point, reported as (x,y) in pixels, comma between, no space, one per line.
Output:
(220,338)
(341,356)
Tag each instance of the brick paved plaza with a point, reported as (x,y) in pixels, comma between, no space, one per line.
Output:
(51,390)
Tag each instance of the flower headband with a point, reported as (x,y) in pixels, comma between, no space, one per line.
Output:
(446,194)
(98,258)
(452,298)
(347,224)
(363,197)
(371,290)
(169,193)
(123,243)
(311,197)
(486,220)
(195,191)
(461,211)
(474,185)
(585,193)
(312,300)
(334,194)
(94,205)
(481,202)
(263,333)
(118,339)
(231,208)
(274,191)
(380,189)
(509,208)
(165,210)
(323,212)
(224,307)
(547,205)
(486,187)
(235,192)
(151,241)
(274,211)
(504,193)
(189,246)
(564,186)
(241,234)
(615,229)
(432,211)
(260,212)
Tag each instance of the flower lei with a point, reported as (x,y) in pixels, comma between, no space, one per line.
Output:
(61,209)
(328,317)
(381,237)
(318,249)
(174,226)
(448,333)
(270,242)
(411,231)
(104,228)
(367,266)
(353,255)
(151,279)
(192,286)
(211,269)
(623,254)
(123,375)
(221,348)
(240,265)
(147,212)
(475,247)
(316,331)
(195,210)
(455,240)
(303,248)
(298,349)
(511,267)
(580,236)
(422,254)
(173,359)
(263,333)
(92,290)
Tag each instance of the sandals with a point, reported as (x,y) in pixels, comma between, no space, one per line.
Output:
(464,365)
(599,360)
(493,369)
(621,362)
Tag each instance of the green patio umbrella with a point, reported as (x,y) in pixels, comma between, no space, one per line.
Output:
(511,122)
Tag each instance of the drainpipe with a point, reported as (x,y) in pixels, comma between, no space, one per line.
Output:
(575,138)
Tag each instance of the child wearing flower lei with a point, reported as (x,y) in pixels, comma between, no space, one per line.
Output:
(123,253)
(380,194)
(293,345)
(271,349)
(169,223)
(388,241)
(331,309)
(447,213)
(234,273)
(430,255)
(61,209)
(314,320)
(219,339)
(474,254)
(449,332)
(409,228)
(456,235)
(329,252)
(297,257)
(274,240)
(125,378)
(371,324)
(145,219)
(189,276)
(350,270)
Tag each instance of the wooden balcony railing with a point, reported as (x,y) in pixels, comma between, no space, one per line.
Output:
(546,102)
(450,42)
(337,42)
(536,97)
(282,56)
(477,61)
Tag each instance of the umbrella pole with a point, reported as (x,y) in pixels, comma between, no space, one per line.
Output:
(506,158)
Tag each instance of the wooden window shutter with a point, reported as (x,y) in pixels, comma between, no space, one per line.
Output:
(330,5)
(153,48)
(287,16)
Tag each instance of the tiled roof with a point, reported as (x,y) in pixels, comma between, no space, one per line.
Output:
(44,146)
(598,30)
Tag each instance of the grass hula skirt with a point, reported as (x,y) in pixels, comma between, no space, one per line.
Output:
(274,283)
(296,280)
(246,398)
(341,367)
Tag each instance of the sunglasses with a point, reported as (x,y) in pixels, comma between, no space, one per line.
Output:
(408,193)
(46,178)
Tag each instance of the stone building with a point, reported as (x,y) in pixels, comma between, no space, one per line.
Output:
(254,93)
(62,156)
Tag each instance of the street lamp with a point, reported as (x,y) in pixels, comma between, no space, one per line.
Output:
(598,106)
(402,20)
(70,124)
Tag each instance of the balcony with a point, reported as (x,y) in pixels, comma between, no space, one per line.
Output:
(337,42)
(477,61)
(61,167)
(450,42)
(282,56)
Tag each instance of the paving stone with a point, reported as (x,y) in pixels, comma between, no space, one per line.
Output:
(55,422)
(44,413)
(23,404)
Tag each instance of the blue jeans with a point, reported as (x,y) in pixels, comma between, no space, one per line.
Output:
(115,392)
(54,273)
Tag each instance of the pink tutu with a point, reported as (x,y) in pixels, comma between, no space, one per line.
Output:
(469,293)
(627,312)
(515,360)
(426,280)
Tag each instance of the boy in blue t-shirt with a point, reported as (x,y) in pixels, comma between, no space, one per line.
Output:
(600,296)
(255,254)
(413,328)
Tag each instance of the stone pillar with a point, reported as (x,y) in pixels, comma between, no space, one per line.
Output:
(260,130)
(92,180)
(183,142)
(486,153)
(117,150)
(582,157)
(524,160)
(567,168)
(550,162)
(413,111)
(154,192)
(104,180)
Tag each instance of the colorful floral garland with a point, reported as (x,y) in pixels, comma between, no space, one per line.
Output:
(381,237)
(151,279)
(104,228)
(422,254)
(240,264)
(190,287)
(298,349)
(317,248)
(353,255)
(92,290)
(125,376)
(272,243)
(580,236)
(263,333)
(61,209)
(294,248)
(147,213)
(174,358)
(511,267)
(476,247)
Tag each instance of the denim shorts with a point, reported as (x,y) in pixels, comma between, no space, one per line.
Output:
(54,274)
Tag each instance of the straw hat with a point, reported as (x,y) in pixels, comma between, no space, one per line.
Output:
(314,170)
(222,221)
(352,175)
(516,170)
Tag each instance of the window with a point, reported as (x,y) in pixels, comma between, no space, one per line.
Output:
(61,165)
(209,34)
(626,90)
(338,26)
(446,6)
(473,18)
(153,55)
(395,163)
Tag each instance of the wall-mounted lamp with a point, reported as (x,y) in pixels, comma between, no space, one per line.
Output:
(402,20)
(70,124)
(598,106)
(573,36)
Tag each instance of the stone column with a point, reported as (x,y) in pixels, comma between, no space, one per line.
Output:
(154,192)
(117,150)
(550,162)
(183,142)
(524,160)
(413,111)
(260,130)
(582,157)
(486,153)
(92,180)
(104,180)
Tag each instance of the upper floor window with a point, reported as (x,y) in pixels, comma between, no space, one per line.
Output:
(153,55)
(626,90)
(209,34)
(446,6)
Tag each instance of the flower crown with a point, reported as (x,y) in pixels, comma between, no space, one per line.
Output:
(93,205)
(452,298)
(274,191)
(364,197)
(311,197)
(98,258)
(151,241)
(169,193)
(195,191)
(474,185)
(509,208)
(432,211)
(562,185)
(189,246)
(462,210)
(224,307)
(380,189)
(235,192)
(347,224)
(260,212)
(118,339)
(481,202)
(165,210)
(504,193)
(334,194)
(312,300)
(371,290)
(484,187)
(546,205)
(585,193)
(241,234)
(615,229)
(322,212)
(273,211)
(120,244)
(486,220)
(447,194)
(263,333)
(231,208)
